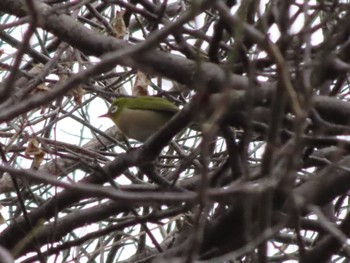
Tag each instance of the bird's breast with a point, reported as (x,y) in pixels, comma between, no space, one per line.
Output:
(141,124)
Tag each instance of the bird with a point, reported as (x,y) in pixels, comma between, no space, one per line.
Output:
(140,117)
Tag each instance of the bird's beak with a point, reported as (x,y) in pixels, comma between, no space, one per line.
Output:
(104,115)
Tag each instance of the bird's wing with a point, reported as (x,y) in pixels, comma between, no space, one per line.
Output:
(153,103)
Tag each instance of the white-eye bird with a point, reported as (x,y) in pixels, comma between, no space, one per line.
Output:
(139,117)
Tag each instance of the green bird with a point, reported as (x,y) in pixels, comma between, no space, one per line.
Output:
(138,118)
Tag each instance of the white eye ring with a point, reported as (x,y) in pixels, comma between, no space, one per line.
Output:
(113,109)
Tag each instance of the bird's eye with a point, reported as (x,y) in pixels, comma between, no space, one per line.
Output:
(113,109)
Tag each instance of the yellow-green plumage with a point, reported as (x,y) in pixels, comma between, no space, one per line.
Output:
(138,118)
